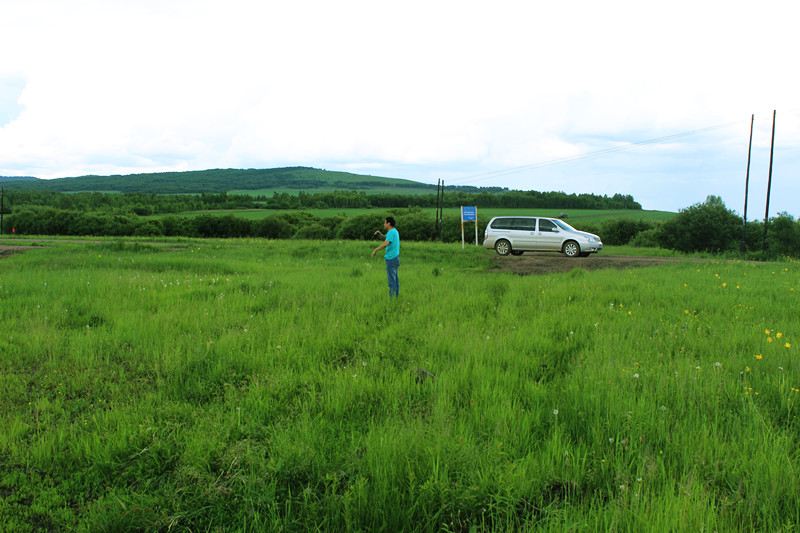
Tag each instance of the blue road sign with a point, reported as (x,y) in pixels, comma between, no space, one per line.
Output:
(469,212)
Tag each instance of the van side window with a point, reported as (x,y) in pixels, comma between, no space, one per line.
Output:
(546,225)
(525,224)
(502,223)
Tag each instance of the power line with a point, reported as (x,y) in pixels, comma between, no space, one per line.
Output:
(589,155)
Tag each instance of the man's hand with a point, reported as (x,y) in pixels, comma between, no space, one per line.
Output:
(374,252)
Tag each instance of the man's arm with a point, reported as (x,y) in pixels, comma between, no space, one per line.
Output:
(381,247)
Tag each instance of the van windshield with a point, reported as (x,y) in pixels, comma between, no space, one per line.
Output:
(563,225)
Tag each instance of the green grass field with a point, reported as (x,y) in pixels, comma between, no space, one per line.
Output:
(589,216)
(250,385)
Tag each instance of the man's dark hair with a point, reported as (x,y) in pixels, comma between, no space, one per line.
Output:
(391,221)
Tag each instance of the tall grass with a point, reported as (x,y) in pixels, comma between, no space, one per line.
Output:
(255,385)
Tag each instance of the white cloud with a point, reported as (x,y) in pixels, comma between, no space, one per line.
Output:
(428,88)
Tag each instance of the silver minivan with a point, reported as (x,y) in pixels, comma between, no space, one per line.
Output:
(516,235)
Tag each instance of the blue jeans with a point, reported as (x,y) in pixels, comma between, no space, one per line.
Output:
(391,273)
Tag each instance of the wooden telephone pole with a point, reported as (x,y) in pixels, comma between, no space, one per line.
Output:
(747,185)
(769,180)
(439,208)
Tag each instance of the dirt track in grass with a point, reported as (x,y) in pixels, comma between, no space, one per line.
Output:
(6,250)
(543,263)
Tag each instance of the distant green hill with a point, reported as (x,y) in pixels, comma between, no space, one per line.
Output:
(223,180)
(17,179)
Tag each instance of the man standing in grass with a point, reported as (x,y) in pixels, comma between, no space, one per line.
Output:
(392,255)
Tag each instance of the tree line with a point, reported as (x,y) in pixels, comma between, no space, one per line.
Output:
(142,204)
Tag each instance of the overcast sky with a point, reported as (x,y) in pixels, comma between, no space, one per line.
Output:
(419,90)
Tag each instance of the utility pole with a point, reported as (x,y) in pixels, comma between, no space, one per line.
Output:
(747,184)
(769,180)
(436,216)
(441,210)
(439,201)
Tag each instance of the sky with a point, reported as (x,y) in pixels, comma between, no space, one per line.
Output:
(475,93)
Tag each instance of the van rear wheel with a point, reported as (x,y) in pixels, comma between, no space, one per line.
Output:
(571,249)
(502,247)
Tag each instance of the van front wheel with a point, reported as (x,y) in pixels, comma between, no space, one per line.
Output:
(502,247)
(571,249)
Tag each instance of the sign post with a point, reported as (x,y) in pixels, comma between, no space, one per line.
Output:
(469,213)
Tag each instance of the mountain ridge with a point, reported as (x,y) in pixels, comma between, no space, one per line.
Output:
(216,181)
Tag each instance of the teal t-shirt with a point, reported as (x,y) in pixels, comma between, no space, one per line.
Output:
(393,249)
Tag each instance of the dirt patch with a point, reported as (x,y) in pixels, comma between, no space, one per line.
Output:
(544,263)
(6,250)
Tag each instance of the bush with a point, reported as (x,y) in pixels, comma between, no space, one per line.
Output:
(619,232)
(226,226)
(175,226)
(361,227)
(417,227)
(150,228)
(707,227)
(646,239)
(314,231)
(273,228)
(783,235)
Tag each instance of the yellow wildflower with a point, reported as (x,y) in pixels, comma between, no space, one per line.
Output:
(787,345)
(767,331)
(769,339)
(759,357)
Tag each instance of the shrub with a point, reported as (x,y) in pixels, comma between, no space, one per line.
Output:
(618,232)
(783,235)
(226,226)
(417,227)
(314,231)
(273,228)
(708,227)
(646,239)
(361,227)
(175,226)
(149,228)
